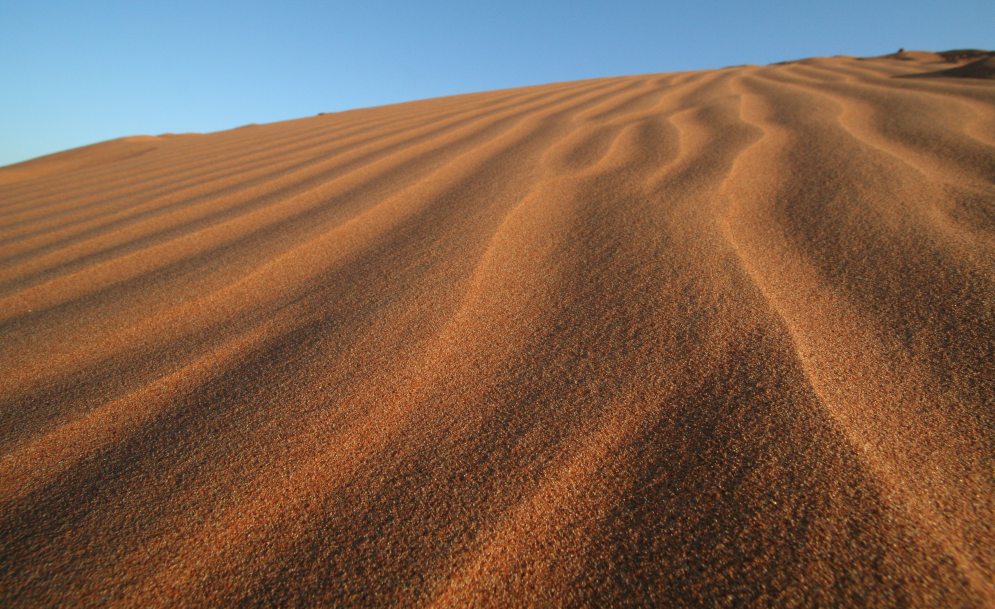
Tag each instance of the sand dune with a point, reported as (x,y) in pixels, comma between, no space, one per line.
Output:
(982,68)
(717,338)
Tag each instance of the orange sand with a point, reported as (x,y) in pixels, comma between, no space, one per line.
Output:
(702,339)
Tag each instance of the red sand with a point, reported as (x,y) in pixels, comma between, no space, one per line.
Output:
(703,339)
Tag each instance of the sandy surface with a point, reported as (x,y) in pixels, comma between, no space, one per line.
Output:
(702,339)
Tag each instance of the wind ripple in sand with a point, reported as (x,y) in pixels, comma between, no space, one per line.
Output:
(716,338)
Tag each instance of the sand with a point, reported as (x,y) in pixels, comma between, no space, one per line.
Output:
(718,338)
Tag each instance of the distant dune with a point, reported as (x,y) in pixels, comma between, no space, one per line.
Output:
(982,68)
(719,338)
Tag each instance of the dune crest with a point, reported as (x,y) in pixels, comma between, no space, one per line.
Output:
(718,338)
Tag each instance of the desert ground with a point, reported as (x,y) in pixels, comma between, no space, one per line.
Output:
(720,338)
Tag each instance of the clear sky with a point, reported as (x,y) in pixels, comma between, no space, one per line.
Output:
(81,71)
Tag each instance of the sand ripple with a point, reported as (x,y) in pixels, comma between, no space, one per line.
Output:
(711,339)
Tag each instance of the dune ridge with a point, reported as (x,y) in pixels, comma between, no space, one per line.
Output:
(717,338)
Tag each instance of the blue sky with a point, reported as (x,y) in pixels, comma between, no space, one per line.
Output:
(78,72)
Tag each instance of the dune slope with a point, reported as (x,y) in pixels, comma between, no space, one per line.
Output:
(702,339)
